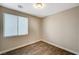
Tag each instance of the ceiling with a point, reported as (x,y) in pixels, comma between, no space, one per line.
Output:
(49,9)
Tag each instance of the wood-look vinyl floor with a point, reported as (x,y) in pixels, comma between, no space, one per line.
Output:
(39,48)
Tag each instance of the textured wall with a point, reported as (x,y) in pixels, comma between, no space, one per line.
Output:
(63,29)
(12,42)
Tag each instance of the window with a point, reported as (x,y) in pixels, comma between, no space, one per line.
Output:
(15,25)
(22,26)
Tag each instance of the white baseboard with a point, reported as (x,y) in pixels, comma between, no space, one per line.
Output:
(4,51)
(60,46)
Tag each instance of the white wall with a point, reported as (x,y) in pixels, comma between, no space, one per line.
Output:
(62,29)
(14,42)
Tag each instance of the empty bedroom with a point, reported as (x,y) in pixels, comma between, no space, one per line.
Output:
(39,28)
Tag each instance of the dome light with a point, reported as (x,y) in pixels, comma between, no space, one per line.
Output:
(39,5)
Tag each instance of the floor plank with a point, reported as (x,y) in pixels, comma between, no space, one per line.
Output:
(39,48)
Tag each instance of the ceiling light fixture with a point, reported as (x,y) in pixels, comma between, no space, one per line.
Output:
(39,5)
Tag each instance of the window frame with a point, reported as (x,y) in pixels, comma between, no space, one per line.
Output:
(17,26)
